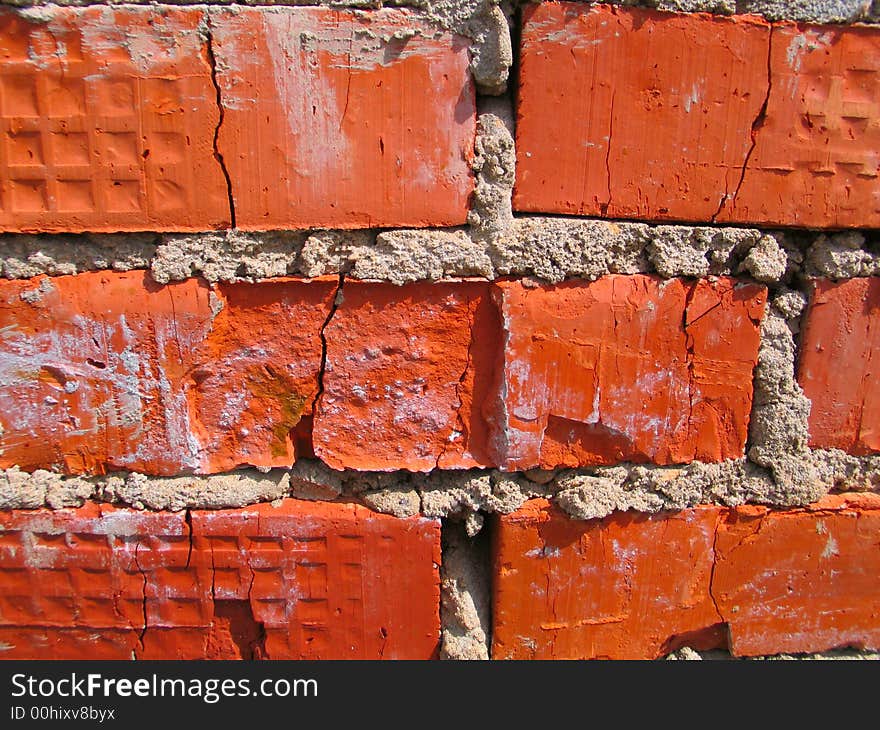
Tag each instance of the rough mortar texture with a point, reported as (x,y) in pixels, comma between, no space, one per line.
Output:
(813,11)
(495,245)
(464,595)
(25,256)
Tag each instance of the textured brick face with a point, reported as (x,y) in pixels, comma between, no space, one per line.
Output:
(637,586)
(107,120)
(816,160)
(337,120)
(302,580)
(637,114)
(621,588)
(408,377)
(840,351)
(628,368)
(803,580)
(110,370)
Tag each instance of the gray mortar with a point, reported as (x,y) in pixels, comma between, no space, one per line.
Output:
(552,249)
(811,11)
(491,213)
(464,595)
(25,256)
(842,256)
(229,256)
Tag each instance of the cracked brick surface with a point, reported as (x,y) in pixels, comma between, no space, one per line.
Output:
(107,120)
(111,371)
(634,113)
(326,123)
(106,371)
(840,354)
(635,586)
(628,368)
(298,580)
(408,377)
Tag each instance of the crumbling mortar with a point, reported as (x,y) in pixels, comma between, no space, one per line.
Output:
(465,590)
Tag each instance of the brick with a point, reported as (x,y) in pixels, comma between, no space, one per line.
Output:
(408,378)
(634,586)
(801,580)
(748,122)
(628,368)
(327,123)
(108,370)
(107,121)
(816,160)
(626,587)
(298,580)
(838,369)
(631,113)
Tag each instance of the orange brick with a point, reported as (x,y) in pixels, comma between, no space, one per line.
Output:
(801,580)
(816,160)
(638,586)
(107,371)
(628,368)
(408,377)
(107,121)
(627,587)
(300,580)
(343,120)
(838,370)
(634,113)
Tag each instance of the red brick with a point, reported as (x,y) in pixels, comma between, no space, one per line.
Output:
(408,377)
(301,580)
(816,160)
(636,586)
(107,120)
(838,370)
(343,120)
(627,587)
(107,371)
(634,113)
(628,368)
(801,580)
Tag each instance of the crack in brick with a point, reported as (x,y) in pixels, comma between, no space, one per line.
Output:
(137,564)
(338,298)
(218,155)
(753,133)
(604,206)
(189,527)
(459,426)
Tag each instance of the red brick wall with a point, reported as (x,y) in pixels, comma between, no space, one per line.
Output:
(544,313)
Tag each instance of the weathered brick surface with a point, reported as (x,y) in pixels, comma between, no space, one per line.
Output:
(628,368)
(106,371)
(840,356)
(109,370)
(408,376)
(301,580)
(334,119)
(637,586)
(801,580)
(622,588)
(638,114)
(107,120)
